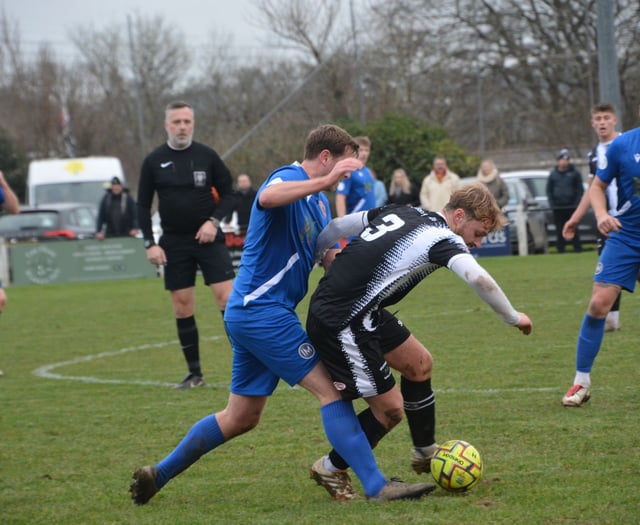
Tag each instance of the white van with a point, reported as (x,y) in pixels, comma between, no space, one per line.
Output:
(71,180)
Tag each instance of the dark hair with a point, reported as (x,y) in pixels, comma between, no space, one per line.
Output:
(329,137)
(603,107)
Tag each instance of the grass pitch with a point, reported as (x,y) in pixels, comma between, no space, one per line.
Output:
(87,396)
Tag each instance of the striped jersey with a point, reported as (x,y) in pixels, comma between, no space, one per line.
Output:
(400,247)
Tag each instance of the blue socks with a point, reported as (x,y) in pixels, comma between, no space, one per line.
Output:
(341,427)
(589,341)
(346,436)
(203,437)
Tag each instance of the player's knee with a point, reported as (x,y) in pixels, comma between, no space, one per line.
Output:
(418,368)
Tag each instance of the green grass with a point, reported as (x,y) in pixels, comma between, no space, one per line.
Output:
(68,446)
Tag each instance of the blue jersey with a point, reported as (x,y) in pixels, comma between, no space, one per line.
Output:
(622,164)
(358,188)
(278,253)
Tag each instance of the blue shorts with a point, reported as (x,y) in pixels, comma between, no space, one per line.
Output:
(265,351)
(619,263)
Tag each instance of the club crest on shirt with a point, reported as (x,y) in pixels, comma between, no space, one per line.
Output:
(323,208)
(306,351)
(199,179)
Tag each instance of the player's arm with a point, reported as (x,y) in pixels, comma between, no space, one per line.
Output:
(341,204)
(339,228)
(342,227)
(146,191)
(597,194)
(569,228)
(11,203)
(280,193)
(467,268)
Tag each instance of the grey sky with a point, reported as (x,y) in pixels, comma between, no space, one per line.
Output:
(51,21)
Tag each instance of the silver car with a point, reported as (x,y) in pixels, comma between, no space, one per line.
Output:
(536,181)
(534,215)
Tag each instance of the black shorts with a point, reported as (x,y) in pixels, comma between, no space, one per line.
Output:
(355,357)
(185,255)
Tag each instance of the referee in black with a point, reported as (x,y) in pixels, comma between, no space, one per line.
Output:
(194,189)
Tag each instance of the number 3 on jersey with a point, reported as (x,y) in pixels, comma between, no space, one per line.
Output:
(389,223)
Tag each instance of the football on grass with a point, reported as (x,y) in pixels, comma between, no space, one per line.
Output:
(456,466)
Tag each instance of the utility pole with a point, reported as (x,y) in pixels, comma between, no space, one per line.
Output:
(607,56)
(356,58)
(136,83)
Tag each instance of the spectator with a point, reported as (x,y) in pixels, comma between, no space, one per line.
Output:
(379,190)
(564,191)
(194,189)
(244,195)
(438,186)
(356,193)
(402,190)
(117,214)
(489,176)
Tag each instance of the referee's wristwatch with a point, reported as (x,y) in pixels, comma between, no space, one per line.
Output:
(148,243)
(215,222)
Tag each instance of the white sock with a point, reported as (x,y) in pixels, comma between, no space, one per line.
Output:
(426,451)
(614,316)
(326,463)
(582,378)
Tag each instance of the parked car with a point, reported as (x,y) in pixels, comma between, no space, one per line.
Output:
(536,180)
(535,219)
(51,222)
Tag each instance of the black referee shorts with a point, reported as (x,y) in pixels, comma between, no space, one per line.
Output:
(185,255)
(355,357)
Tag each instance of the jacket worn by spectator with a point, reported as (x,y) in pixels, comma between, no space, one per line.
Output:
(117,214)
(564,188)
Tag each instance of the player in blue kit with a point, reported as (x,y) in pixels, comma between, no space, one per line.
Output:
(268,340)
(356,193)
(619,262)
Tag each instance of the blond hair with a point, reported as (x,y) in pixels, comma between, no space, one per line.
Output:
(478,204)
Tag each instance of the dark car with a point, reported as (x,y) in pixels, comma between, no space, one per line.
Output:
(536,180)
(533,214)
(50,222)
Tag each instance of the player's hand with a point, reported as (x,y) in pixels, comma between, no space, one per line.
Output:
(569,230)
(156,255)
(524,325)
(608,224)
(343,169)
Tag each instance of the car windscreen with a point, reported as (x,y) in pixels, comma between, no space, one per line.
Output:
(87,191)
(28,221)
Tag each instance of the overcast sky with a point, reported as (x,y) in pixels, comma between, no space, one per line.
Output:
(52,21)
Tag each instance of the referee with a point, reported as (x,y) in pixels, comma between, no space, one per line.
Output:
(194,189)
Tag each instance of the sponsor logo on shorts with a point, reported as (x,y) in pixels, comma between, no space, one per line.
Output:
(339,386)
(599,268)
(306,351)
